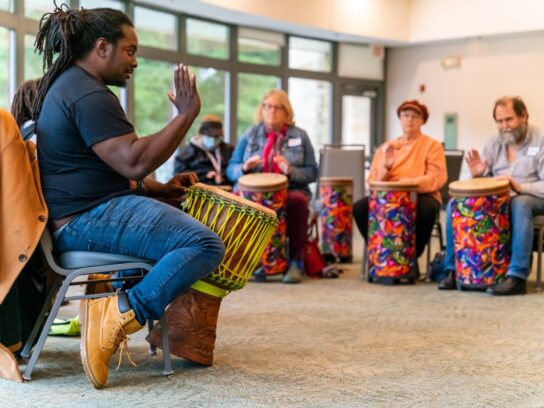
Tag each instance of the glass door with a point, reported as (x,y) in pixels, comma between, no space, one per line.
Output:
(359,113)
(356,119)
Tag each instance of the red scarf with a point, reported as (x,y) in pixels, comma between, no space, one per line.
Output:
(271,148)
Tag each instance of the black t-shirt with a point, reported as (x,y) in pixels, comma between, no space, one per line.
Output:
(78,111)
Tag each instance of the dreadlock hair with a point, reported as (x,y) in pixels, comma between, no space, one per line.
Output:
(21,107)
(72,34)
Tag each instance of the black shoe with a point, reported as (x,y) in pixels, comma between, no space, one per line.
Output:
(448,283)
(510,286)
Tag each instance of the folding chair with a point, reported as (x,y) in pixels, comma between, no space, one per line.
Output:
(454,161)
(72,265)
(538,223)
(343,161)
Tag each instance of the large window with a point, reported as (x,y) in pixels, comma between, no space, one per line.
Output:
(251,89)
(311,55)
(5,5)
(33,60)
(155,28)
(234,65)
(4,67)
(101,3)
(311,100)
(207,39)
(360,61)
(211,87)
(35,9)
(260,47)
(153,109)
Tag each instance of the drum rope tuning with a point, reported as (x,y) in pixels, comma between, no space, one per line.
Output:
(251,235)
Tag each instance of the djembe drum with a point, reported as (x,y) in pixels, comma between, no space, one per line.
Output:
(270,190)
(480,210)
(245,228)
(391,231)
(336,195)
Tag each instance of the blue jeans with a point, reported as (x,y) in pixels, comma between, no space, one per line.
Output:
(523,208)
(184,249)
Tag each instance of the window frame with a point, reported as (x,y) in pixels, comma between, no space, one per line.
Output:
(21,25)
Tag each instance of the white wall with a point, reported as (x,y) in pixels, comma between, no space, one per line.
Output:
(389,22)
(489,68)
(372,18)
(360,21)
(434,20)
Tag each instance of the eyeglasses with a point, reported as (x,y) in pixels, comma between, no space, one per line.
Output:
(410,115)
(269,107)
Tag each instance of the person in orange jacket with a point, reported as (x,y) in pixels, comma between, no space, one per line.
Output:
(24,216)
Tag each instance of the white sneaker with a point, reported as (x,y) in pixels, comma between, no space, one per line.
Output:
(293,274)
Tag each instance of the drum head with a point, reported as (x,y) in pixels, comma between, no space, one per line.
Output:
(234,198)
(335,181)
(263,182)
(393,185)
(480,186)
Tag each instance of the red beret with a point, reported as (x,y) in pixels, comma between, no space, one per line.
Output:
(415,106)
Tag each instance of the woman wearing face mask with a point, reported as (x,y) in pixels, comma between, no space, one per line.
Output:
(276,145)
(206,154)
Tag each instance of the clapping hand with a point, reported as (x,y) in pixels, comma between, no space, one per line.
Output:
(283,164)
(251,163)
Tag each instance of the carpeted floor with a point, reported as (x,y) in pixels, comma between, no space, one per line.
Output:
(326,343)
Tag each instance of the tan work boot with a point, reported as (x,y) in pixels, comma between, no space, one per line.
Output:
(100,287)
(103,329)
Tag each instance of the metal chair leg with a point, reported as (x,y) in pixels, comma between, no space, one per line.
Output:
(539,260)
(152,348)
(25,353)
(166,347)
(27,376)
(364,262)
(428,269)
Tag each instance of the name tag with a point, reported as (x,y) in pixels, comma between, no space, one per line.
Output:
(532,150)
(294,142)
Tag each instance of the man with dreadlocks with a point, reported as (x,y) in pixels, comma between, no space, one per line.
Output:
(88,153)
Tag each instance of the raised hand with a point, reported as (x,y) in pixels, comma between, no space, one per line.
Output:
(389,156)
(476,165)
(185,96)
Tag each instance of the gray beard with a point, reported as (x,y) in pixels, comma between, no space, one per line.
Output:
(514,136)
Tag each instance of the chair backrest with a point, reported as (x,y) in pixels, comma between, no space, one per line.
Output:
(46,243)
(344,161)
(454,161)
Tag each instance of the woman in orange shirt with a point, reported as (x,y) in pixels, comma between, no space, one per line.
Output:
(410,157)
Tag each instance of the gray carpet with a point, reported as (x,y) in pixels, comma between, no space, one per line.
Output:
(326,343)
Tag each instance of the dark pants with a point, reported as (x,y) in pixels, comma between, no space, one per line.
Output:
(426,212)
(23,303)
(297,223)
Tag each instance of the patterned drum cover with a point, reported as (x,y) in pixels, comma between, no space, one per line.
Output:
(391,230)
(270,190)
(481,231)
(335,217)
